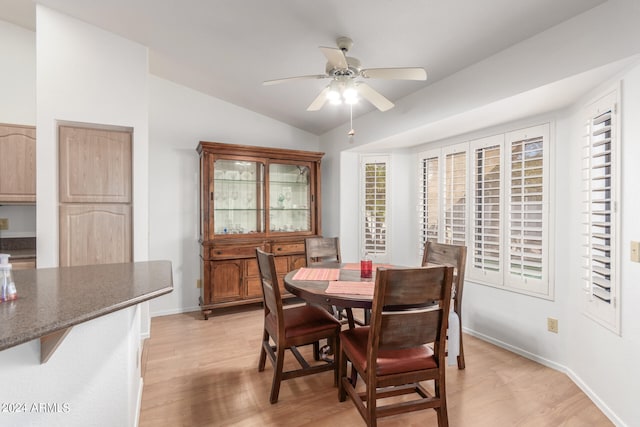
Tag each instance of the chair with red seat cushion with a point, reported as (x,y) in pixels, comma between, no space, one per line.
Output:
(393,355)
(291,328)
(456,256)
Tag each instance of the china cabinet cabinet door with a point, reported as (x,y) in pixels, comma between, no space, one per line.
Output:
(237,197)
(290,198)
(225,279)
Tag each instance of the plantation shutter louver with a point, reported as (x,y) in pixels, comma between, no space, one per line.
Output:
(599,212)
(455,198)
(429,199)
(486,262)
(375,207)
(527,210)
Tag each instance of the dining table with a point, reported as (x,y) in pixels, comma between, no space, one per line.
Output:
(334,284)
(340,285)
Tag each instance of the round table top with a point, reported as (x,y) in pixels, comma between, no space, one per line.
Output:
(314,291)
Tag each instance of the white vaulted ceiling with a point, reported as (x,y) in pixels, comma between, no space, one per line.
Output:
(226,48)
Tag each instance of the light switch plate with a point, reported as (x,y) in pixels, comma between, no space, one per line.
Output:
(4,223)
(635,251)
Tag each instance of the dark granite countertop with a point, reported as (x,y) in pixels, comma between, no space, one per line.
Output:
(52,299)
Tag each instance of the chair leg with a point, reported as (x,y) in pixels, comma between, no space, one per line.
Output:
(371,420)
(342,393)
(441,411)
(263,351)
(461,364)
(277,375)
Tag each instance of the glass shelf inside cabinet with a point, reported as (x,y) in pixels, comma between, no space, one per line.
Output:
(238,197)
(289,198)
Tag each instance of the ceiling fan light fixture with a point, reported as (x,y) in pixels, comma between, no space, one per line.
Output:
(350,95)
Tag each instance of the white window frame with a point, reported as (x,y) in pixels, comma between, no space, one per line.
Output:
(530,285)
(376,256)
(441,154)
(476,269)
(542,287)
(605,313)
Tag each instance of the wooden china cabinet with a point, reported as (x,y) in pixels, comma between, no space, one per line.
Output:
(253,197)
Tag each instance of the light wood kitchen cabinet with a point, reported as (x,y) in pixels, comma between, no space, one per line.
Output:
(95,169)
(95,165)
(253,197)
(95,234)
(17,164)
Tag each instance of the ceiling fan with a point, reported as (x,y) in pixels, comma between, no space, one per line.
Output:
(345,71)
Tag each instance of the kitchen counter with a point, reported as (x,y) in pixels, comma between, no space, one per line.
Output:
(52,300)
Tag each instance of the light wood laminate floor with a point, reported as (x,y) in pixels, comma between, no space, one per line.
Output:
(204,373)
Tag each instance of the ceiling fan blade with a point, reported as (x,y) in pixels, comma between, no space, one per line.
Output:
(407,73)
(287,79)
(319,101)
(374,97)
(335,56)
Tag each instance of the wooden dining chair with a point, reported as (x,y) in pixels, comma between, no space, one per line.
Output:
(322,249)
(291,328)
(456,256)
(394,354)
(327,249)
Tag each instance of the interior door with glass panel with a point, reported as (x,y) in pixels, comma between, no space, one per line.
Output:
(237,197)
(290,198)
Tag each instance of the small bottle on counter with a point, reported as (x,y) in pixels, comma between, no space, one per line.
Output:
(8,290)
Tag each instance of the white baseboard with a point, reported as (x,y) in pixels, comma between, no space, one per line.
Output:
(553,365)
(174,311)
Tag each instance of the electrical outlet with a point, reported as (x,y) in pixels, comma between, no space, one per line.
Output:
(198,283)
(4,223)
(635,251)
(552,325)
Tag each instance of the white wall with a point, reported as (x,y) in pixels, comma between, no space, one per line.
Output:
(87,75)
(18,106)
(87,380)
(179,119)
(602,362)
(17,75)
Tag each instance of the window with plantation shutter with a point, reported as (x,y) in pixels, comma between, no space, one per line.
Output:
(599,213)
(429,197)
(486,210)
(492,195)
(455,197)
(374,179)
(527,206)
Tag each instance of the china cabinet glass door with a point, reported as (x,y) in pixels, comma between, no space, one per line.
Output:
(289,197)
(238,197)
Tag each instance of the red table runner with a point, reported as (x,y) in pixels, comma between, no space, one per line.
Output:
(354,288)
(317,274)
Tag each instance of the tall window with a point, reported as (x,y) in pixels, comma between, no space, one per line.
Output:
(374,183)
(442,199)
(504,223)
(455,197)
(429,198)
(599,213)
(486,209)
(528,206)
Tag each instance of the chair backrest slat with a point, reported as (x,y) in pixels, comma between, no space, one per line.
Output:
(322,249)
(269,282)
(409,329)
(445,254)
(410,308)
